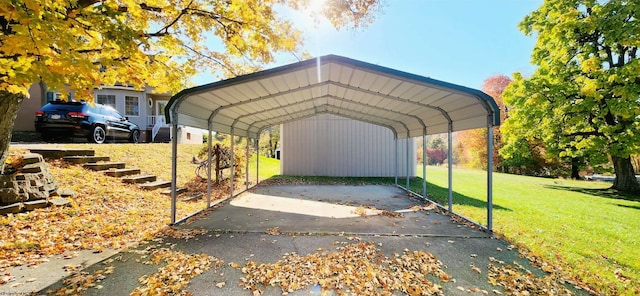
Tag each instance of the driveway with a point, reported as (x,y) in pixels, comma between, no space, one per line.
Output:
(289,224)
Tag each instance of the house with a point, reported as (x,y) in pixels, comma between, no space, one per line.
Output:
(143,108)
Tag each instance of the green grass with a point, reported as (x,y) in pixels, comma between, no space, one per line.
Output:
(580,226)
(269,167)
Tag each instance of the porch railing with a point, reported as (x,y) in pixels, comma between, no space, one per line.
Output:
(157,122)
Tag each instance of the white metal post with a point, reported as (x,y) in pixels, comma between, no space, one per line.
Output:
(174,165)
(408,159)
(396,158)
(247,166)
(489,173)
(209,164)
(424,163)
(257,158)
(232,163)
(450,163)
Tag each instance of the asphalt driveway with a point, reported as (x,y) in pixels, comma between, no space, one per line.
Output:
(270,223)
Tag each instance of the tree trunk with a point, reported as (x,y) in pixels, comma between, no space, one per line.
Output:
(625,178)
(10,103)
(576,163)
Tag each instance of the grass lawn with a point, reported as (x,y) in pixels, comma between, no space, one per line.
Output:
(591,233)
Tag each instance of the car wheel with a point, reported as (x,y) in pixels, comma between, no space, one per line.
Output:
(98,135)
(135,136)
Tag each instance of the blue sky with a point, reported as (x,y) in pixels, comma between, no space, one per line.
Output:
(458,41)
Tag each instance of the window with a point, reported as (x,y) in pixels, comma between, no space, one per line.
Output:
(131,106)
(108,100)
(53,96)
(188,136)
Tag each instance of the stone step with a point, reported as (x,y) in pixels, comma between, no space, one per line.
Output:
(155,185)
(61,152)
(11,209)
(36,204)
(101,166)
(178,190)
(122,172)
(137,179)
(85,158)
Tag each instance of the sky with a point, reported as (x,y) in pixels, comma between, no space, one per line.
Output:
(457,41)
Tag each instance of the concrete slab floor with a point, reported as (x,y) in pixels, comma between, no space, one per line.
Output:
(309,218)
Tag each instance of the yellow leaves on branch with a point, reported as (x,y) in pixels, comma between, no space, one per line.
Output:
(358,269)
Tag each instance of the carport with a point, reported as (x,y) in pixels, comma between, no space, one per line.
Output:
(409,105)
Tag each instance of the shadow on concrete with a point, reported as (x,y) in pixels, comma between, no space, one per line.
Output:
(434,192)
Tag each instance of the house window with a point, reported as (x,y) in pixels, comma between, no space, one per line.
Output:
(53,96)
(109,100)
(131,106)
(188,136)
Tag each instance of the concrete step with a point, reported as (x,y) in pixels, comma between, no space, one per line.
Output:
(178,190)
(155,185)
(61,152)
(101,166)
(137,179)
(122,172)
(85,158)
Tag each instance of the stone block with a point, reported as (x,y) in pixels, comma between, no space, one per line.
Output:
(32,168)
(37,194)
(9,196)
(36,204)
(60,201)
(30,158)
(11,209)
(66,193)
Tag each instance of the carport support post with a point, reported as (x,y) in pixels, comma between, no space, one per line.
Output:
(406,142)
(246,182)
(209,164)
(489,173)
(450,163)
(233,163)
(174,165)
(257,158)
(396,156)
(424,163)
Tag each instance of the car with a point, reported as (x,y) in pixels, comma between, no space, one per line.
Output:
(95,122)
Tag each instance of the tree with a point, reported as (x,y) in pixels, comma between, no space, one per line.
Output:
(270,141)
(475,141)
(583,100)
(80,45)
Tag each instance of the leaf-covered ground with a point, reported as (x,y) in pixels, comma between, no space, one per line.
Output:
(104,213)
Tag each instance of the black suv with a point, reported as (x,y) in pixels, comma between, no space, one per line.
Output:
(80,119)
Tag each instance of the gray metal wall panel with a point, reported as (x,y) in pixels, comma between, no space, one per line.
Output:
(330,145)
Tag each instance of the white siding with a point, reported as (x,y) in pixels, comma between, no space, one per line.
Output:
(330,145)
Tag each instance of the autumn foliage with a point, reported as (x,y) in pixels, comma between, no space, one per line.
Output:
(474,142)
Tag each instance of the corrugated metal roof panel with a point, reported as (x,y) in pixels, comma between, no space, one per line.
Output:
(403,102)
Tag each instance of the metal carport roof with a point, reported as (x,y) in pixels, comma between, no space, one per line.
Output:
(403,102)
(409,105)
